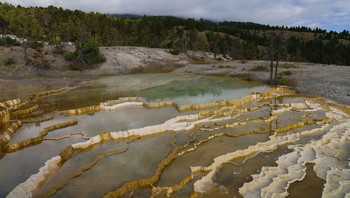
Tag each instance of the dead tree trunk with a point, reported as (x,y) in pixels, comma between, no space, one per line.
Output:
(5,36)
(276,71)
(276,51)
(271,70)
(25,46)
(280,53)
(42,60)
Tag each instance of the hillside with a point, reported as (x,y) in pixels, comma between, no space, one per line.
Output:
(236,40)
(329,81)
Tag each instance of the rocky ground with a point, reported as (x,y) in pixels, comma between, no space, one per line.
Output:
(329,81)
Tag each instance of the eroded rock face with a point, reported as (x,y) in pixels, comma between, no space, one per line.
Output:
(315,131)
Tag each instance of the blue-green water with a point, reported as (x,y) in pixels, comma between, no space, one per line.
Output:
(79,177)
(183,89)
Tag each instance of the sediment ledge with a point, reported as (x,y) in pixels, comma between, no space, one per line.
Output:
(136,101)
(275,181)
(17,117)
(20,145)
(49,93)
(12,104)
(6,137)
(26,111)
(286,173)
(25,189)
(4,116)
(179,123)
(38,121)
(296,172)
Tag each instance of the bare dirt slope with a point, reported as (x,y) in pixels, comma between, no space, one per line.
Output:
(122,60)
(329,81)
(18,65)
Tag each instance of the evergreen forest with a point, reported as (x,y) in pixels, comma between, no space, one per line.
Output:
(236,40)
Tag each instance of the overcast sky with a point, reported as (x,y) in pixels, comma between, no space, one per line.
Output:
(326,14)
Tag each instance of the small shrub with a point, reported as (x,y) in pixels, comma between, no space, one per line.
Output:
(282,80)
(288,66)
(35,44)
(280,77)
(9,42)
(287,73)
(29,61)
(226,66)
(92,53)
(174,52)
(259,68)
(36,55)
(288,82)
(7,61)
(10,61)
(59,49)
(196,58)
(89,54)
(243,76)
(70,56)
(94,58)
(74,66)
(200,61)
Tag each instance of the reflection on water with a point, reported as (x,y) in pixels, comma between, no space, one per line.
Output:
(123,119)
(183,89)
(301,188)
(135,163)
(17,167)
(11,89)
(231,144)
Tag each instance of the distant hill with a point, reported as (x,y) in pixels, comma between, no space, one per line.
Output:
(237,40)
(135,16)
(126,16)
